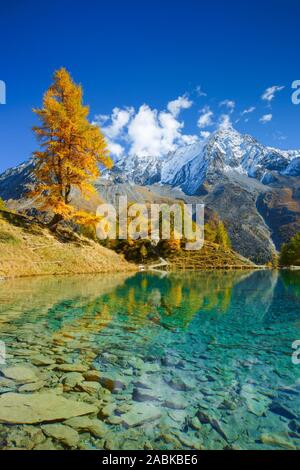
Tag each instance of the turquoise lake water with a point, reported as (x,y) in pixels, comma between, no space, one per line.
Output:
(193,360)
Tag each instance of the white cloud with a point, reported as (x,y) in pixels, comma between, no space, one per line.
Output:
(156,133)
(269,93)
(204,134)
(225,121)
(248,110)
(266,118)
(101,119)
(119,119)
(175,106)
(229,104)
(205,118)
(115,148)
(144,132)
(189,139)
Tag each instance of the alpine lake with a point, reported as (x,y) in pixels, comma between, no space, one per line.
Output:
(195,360)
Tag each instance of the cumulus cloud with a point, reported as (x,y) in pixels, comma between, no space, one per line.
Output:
(116,149)
(146,131)
(266,118)
(119,119)
(229,104)
(175,106)
(204,134)
(205,118)
(269,93)
(115,129)
(189,139)
(156,133)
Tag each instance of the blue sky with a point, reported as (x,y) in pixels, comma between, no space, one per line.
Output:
(134,58)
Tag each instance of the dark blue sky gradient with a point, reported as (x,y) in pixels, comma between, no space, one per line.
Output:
(126,53)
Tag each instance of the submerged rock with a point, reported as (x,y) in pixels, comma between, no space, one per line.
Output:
(21,374)
(107,410)
(17,408)
(282,410)
(85,424)
(277,440)
(176,403)
(71,367)
(139,414)
(144,395)
(92,376)
(71,379)
(62,433)
(112,384)
(31,387)
(40,360)
(91,388)
(46,445)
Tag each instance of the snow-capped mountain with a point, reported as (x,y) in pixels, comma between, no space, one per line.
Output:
(253,188)
(224,151)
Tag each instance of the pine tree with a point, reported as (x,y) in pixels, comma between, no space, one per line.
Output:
(2,205)
(222,237)
(290,252)
(71,150)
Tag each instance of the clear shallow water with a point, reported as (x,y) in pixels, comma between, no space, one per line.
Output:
(195,360)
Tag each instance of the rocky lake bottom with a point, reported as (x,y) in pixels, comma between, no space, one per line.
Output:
(198,360)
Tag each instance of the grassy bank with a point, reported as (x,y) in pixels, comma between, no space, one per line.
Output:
(211,256)
(29,249)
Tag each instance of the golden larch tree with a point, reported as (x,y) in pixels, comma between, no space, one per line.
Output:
(71,151)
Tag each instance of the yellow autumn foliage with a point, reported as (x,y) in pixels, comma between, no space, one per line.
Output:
(71,151)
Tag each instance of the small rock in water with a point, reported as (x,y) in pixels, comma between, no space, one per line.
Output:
(89,387)
(282,410)
(32,387)
(176,403)
(47,445)
(144,395)
(195,423)
(112,384)
(114,420)
(85,424)
(71,367)
(21,374)
(141,413)
(294,425)
(178,383)
(107,410)
(71,379)
(62,433)
(40,360)
(92,376)
(277,440)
